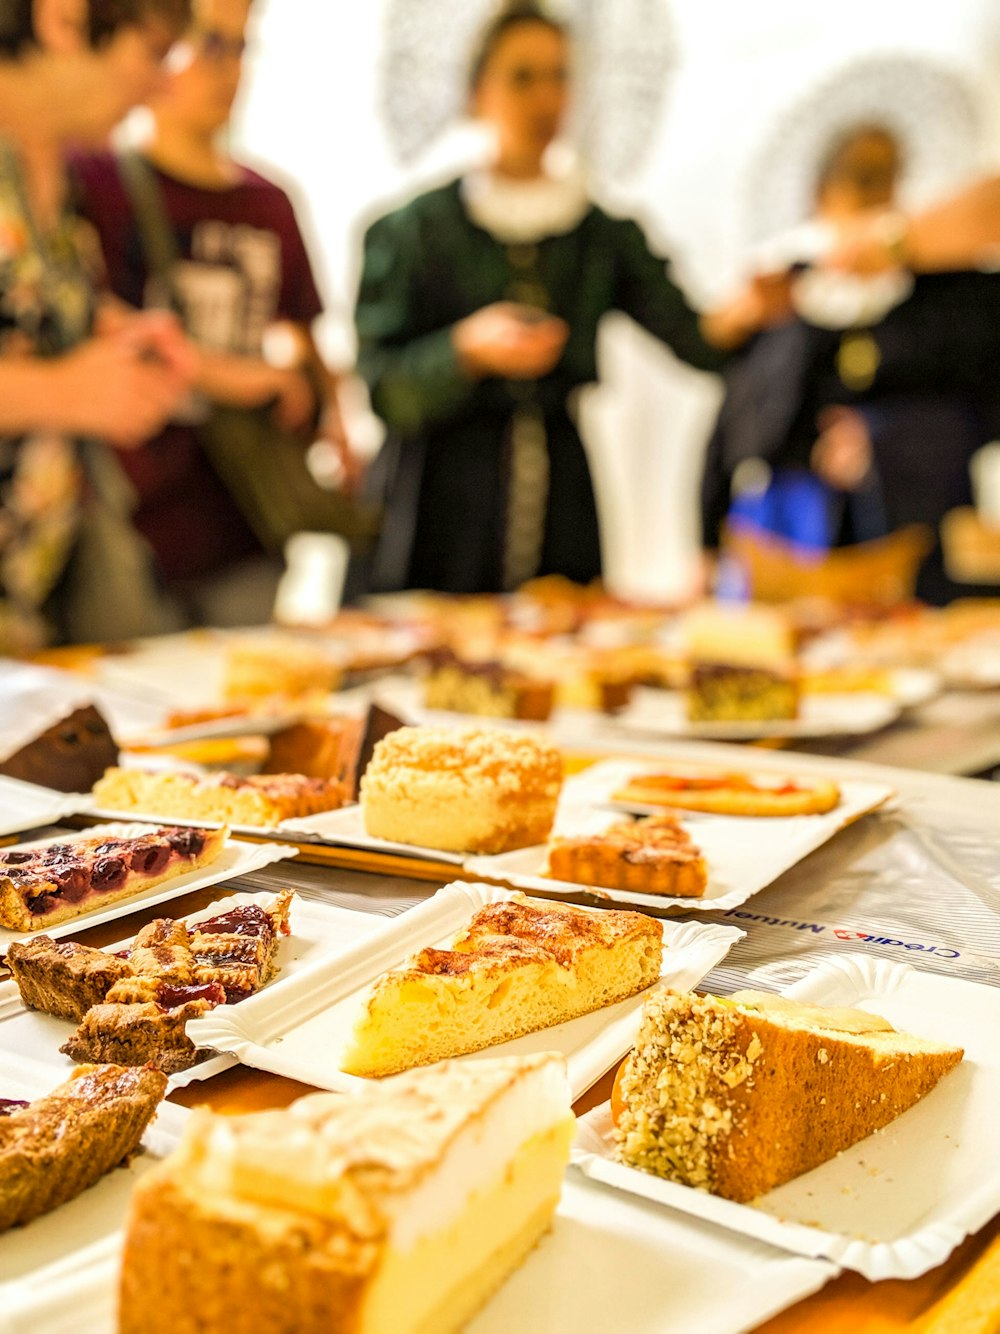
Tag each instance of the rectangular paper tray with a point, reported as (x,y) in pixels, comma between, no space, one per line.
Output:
(896,1204)
(235,859)
(28,806)
(744,854)
(301,1031)
(318,929)
(678,1275)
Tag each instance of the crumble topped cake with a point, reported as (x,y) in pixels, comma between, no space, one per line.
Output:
(258,799)
(518,966)
(52,882)
(134,1009)
(461,789)
(395,1211)
(652,856)
(55,1147)
(739,1095)
(488,688)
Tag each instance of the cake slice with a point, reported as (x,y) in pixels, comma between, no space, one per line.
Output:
(477,789)
(654,856)
(263,800)
(518,967)
(738,1096)
(742,664)
(52,882)
(146,1032)
(396,1211)
(55,1147)
(486,688)
(61,977)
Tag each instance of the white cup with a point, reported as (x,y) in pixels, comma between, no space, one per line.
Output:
(985,469)
(311,587)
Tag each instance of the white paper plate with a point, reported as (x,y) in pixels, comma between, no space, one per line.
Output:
(898,1203)
(677,1276)
(97,1214)
(318,929)
(28,806)
(235,859)
(301,1030)
(346,828)
(662,712)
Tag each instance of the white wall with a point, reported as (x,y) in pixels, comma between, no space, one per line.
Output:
(309,110)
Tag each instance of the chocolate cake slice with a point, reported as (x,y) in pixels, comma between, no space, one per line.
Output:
(57,1146)
(69,756)
(63,978)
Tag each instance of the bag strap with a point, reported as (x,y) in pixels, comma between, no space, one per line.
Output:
(155,232)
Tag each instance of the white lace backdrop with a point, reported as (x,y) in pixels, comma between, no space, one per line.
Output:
(310,112)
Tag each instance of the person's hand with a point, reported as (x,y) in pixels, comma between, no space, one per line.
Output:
(115,389)
(294,398)
(509,340)
(765,301)
(158,335)
(869,244)
(842,455)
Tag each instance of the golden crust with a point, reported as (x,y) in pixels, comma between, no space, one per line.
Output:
(258,799)
(652,856)
(731,794)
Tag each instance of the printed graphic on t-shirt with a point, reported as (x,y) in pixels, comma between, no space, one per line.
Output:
(230,285)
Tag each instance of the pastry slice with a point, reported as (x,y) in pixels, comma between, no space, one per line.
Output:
(486,688)
(519,966)
(146,1031)
(731,794)
(654,856)
(263,800)
(41,886)
(396,1211)
(55,1147)
(741,1095)
(61,977)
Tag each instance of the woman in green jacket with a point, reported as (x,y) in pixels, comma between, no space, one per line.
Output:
(477,319)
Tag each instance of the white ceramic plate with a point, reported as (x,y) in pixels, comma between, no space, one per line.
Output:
(28,806)
(98,1213)
(235,859)
(605,1253)
(317,929)
(662,712)
(898,1203)
(301,1030)
(744,855)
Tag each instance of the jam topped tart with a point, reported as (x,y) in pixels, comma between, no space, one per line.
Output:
(731,793)
(52,882)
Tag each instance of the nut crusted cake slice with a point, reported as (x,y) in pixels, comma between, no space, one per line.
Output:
(44,885)
(654,856)
(396,1211)
(518,967)
(738,1096)
(55,1147)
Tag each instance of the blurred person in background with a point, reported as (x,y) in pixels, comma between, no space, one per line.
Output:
(242,282)
(72,382)
(477,319)
(860,415)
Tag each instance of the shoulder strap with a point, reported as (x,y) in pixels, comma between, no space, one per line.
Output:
(157,236)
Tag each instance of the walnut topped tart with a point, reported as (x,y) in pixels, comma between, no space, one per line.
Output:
(52,882)
(518,966)
(55,1147)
